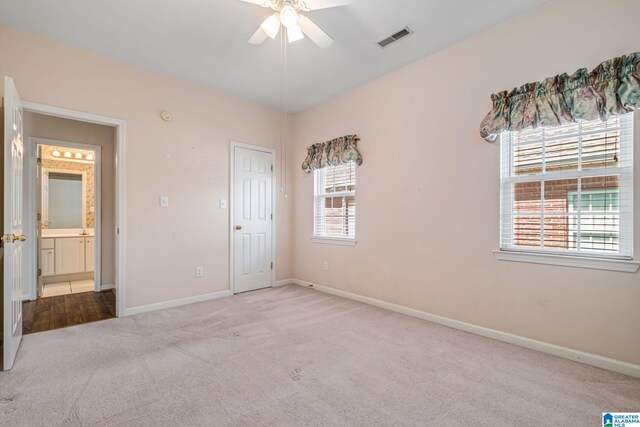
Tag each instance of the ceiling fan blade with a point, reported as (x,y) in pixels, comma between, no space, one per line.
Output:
(325,4)
(258,37)
(263,3)
(315,33)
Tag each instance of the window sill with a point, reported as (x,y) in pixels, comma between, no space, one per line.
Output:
(334,241)
(627,266)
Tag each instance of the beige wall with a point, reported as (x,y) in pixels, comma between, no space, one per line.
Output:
(431,249)
(186,159)
(39,125)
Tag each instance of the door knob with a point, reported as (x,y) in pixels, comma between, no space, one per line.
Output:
(238,227)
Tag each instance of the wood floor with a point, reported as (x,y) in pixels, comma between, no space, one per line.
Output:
(56,312)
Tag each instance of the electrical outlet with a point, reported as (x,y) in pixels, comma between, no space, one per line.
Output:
(199,272)
(223,203)
(164,201)
(326,266)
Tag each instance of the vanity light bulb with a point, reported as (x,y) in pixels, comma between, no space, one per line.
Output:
(78,155)
(89,156)
(56,153)
(67,155)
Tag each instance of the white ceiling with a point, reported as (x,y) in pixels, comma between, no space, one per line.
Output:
(205,41)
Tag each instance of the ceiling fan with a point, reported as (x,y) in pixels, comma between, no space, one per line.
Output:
(288,14)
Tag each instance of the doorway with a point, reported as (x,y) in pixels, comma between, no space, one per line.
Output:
(68,202)
(252,216)
(18,219)
(69,196)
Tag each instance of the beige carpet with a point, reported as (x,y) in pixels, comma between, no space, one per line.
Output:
(294,356)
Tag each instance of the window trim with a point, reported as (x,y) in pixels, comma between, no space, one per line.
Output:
(342,241)
(332,240)
(612,264)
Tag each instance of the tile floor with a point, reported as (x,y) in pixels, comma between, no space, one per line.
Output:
(65,288)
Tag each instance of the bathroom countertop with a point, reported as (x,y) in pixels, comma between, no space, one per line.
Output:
(58,235)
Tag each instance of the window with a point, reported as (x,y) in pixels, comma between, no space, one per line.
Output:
(335,202)
(568,190)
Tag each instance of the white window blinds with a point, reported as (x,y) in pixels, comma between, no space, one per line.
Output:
(335,201)
(569,189)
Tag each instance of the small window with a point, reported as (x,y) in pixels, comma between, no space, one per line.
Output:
(569,189)
(335,202)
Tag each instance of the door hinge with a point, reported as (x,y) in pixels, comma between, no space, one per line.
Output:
(39,216)
(271,217)
(271,168)
(39,160)
(39,272)
(272,265)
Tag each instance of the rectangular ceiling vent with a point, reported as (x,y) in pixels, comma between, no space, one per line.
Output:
(395,37)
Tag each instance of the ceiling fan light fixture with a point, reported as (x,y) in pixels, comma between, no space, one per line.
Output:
(288,15)
(271,25)
(294,33)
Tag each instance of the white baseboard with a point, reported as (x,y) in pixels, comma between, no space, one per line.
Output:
(556,350)
(107,286)
(129,311)
(284,282)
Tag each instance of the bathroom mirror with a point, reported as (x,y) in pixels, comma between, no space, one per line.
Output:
(63,199)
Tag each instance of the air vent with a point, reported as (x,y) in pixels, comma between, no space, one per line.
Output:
(395,37)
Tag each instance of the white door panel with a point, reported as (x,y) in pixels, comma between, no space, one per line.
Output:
(89,253)
(13,237)
(253,186)
(47,266)
(69,255)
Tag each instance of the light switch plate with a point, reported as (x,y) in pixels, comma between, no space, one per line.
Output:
(164,201)
(223,203)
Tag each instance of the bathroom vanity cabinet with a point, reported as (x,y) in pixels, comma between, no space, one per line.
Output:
(67,255)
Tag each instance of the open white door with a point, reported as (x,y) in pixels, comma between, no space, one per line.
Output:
(40,219)
(253,219)
(12,237)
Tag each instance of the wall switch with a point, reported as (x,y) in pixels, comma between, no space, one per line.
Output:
(164,201)
(199,272)
(223,203)
(325,266)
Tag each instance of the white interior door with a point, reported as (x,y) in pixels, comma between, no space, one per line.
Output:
(13,237)
(253,219)
(42,260)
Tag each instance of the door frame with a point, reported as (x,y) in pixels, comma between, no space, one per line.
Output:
(232,146)
(120,189)
(32,223)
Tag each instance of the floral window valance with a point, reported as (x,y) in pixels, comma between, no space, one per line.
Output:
(336,152)
(613,87)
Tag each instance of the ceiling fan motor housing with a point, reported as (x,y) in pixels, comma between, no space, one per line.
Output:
(297,5)
(288,15)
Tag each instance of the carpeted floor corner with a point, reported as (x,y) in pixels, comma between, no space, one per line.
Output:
(294,356)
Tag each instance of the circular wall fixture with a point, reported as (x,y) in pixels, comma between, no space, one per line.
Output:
(166,116)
